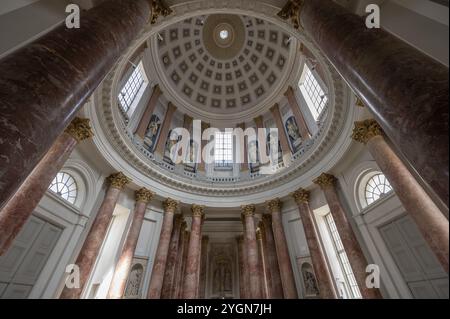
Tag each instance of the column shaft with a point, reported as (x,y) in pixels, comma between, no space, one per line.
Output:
(295,107)
(184,262)
(46,82)
(94,240)
(381,72)
(252,253)
(163,135)
(159,266)
(146,117)
(203,267)
(169,274)
(179,264)
(240,243)
(262,268)
(123,267)
(284,260)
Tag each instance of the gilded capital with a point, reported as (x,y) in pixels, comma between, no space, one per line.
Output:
(80,129)
(143,195)
(248,210)
(291,11)
(159,8)
(118,180)
(274,205)
(197,211)
(366,130)
(170,205)
(258,234)
(325,180)
(301,196)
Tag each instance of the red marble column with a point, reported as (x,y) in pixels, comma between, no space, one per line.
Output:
(19,208)
(159,266)
(295,107)
(241,262)
(321,269)
(180,285)
(162,139)
(284,260)
(169,274)
(382,72)
(190,285)
(145,119)
(94,240)
(354,252)
(203,267)
(179,263)
(118,283)
(275,110)
(262,266)
(253,261)
(277,286)
(44,83)
(267,266)
(432,223)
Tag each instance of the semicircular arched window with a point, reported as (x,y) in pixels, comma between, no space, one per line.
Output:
(377,187)
(64,185)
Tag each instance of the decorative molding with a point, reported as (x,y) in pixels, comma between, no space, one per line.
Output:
(143,195)
(118,180)
(325,180)
(301,196)
(366,130)
(291,11)
(159,8)
(80,129)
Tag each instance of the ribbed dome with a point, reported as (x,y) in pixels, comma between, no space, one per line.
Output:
(232,73)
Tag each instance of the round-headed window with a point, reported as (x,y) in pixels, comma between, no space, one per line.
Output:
(64,185)
(377,187)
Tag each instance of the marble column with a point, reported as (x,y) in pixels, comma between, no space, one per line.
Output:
(146,117)
(165,129)
(299,118)
(180,285)
(99,228)
(203,267)
(192,263)
(179,263)
(321,269)
(241,262)
(262,266)
(381,72)
(266,261)
(277,286)
(44,83)
(352,248)
(248,213)
(284,260)
(275,110)
(19,208)
(432,223)
(162,252)
(143,196)
(169,274)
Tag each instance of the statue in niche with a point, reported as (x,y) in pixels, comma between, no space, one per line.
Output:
(309,278)
(134,281)
(293,133)
(272,140)
(170,151)
(152,133)
(191,157)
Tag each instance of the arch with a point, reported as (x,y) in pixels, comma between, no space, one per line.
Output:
(65,186)
(371,186)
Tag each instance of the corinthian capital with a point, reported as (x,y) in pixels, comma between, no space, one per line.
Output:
(118,180)
(274,205)
(79,129)
(197,211)
(248,210)
(143,195)
(325,180)
(366,130)
(170,205)
(291,11)
(159,8)
(301,196)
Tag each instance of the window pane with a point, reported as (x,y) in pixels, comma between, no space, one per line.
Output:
(64,185)
(131,88)
(376,188)
(223,151)
(314,95)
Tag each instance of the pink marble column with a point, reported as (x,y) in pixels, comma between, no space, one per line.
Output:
(242,286)
(146,117)
(275,110)
(299,118)
(180,285)
(179,262)
(267,266)
(159,266)
(354,252)
(19,208)
(169,274)
(276,286)
(432,223)
(203,267)
(117,288)
(321,269)
(284,260)
(192,263)
(162,139)
(262,266)
(94,240)
(248,213)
